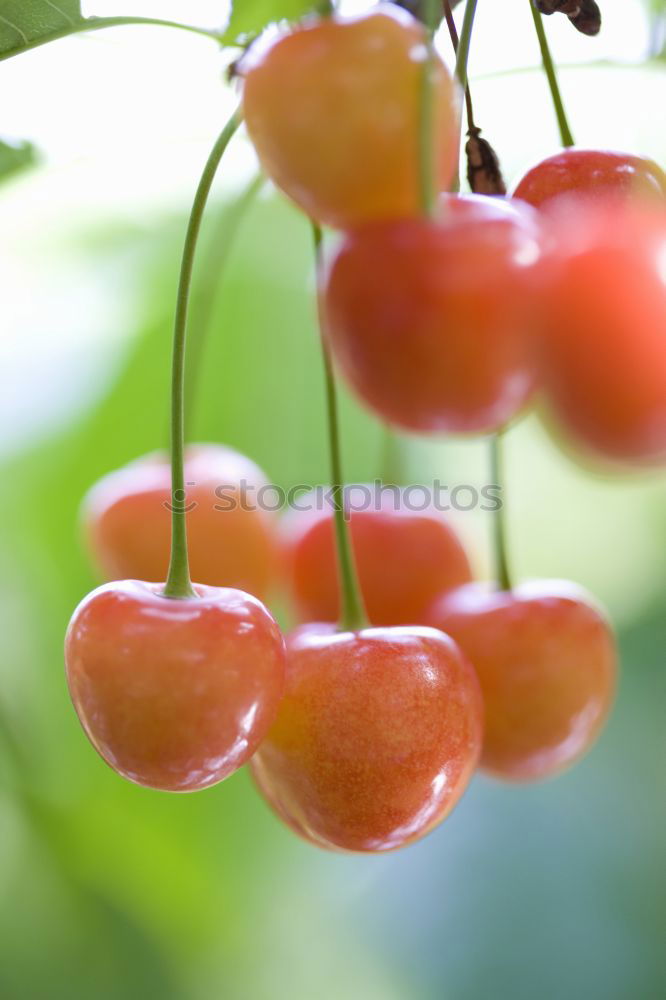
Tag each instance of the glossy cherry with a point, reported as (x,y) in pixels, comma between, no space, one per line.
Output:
(545,658)
(432,321)
(404,559)
(175,694)
(376,738)
(603,324)
(592,174)
(127,521)
(333,111)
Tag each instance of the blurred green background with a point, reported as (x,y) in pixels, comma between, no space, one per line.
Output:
(110,891)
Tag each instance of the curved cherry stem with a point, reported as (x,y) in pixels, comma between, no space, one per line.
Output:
(178,582)
(427,167)
(499,520)
(98,23)
(455,42)
(211,273)
(551,73)
(353,616)
(464,43)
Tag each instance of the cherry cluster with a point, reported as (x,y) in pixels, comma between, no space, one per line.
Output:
(445,314)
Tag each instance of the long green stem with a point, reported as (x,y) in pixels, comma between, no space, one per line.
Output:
(392,465)
(499,520)
(211,270)
(98,23)
(465,42)
(427,165)
(549,67)
(353,616)
(178,582)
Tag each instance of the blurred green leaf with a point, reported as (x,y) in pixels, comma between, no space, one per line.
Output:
(24,22)
(250,17)
(15,155)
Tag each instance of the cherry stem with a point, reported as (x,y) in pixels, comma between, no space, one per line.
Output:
(179,584)
(499,521)
(98,23)
(549,68)
(455,42)
(392,470)
(427,167)
(211,271)
(464,43)
(353,616)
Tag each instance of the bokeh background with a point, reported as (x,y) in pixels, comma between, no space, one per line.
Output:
(110,891)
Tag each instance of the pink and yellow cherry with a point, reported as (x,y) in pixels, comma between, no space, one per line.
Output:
(333,111)
(603,324)
(545,658)
(404,559)
(432,321)
(174,694)
(127,521)
(376,738)
(592,174)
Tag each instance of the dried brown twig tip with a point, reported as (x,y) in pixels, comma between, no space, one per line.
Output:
(583,14)
(483,168)
(588,19)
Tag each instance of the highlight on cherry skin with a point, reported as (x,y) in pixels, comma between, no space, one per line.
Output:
(127,521)
(603,289)
(174,694)
(591,174)
(545,657)
(432,322)
(404,559)
(333,111)
(376,739)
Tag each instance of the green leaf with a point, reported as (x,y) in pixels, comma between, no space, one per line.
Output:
(15,155)
(26,22)
(250,17)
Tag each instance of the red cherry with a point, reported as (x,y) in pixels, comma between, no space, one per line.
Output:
(431,321)
(604,323)
(545,657)
(403,558)
(593,174)
(128,522)
(376,738)
(174,694)
(333,111)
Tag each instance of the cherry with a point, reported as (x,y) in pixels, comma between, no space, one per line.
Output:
(545,657)
(333,111)
(127,521)
(604,317)
(376,738)
(592,174)
(174,694)
(404,559)
(431,321)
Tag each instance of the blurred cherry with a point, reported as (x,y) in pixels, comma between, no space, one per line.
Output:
(404,558)
(127,520)
(432,321)
(603,321)
(545,657)
(333,110)
(591,174)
